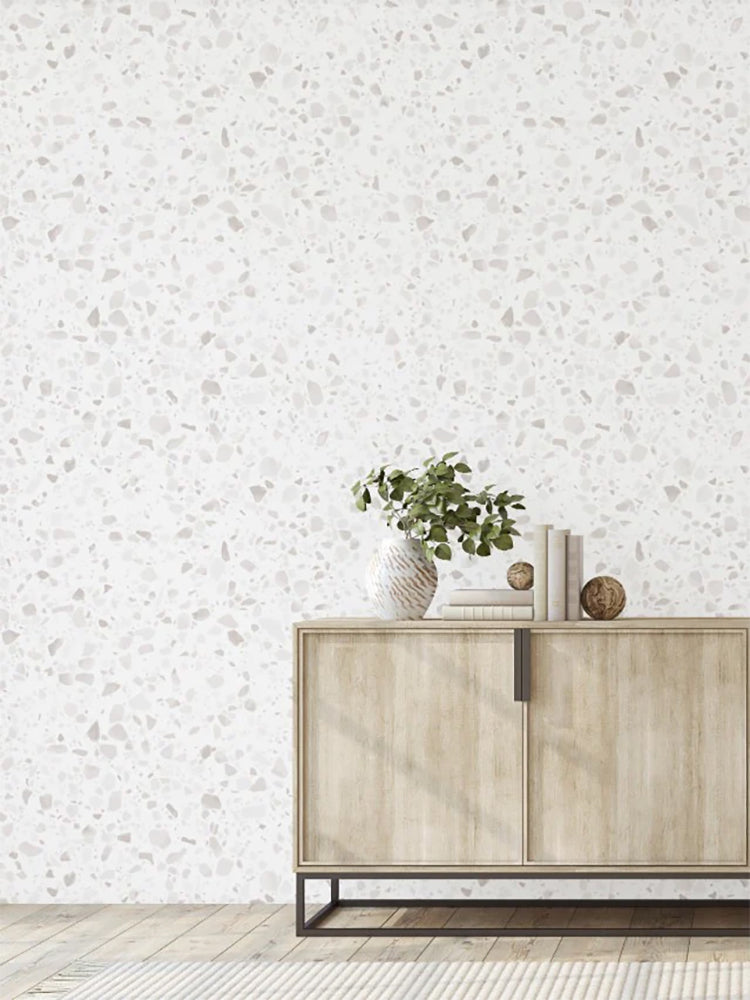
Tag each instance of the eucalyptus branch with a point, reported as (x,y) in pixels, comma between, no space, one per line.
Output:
(428,505)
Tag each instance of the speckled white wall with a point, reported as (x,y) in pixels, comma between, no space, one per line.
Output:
(251,249)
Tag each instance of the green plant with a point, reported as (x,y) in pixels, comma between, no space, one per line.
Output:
(428,506)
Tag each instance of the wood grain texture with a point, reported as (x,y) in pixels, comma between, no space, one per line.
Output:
(450,949)
(583,624)
(218,932)
(637,747)
(340,949)
(158,930)
(96,936)
(59,944)
(271,941)
(403,949)
(409,749)
(523,949)
(655,949)
(588,949)
(719,949)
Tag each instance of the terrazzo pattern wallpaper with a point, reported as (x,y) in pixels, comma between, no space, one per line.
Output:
(251,250)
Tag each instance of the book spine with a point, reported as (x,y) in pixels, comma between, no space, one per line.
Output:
(474,598)
(556,575)
(574,546)
(540,571)
(486,613)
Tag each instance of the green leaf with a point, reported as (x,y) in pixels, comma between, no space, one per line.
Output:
(443,551)
(360,504)
(518,506)
(366,495)
(469,546)
(449,454)
(438,533)
(462,467)
(505,542)
(483,549)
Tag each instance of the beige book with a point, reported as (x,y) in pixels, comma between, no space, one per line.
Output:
(540,571)
(486,613)
(556,574)
(574,547)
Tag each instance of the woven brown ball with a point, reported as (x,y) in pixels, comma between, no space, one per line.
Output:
(603,598)
(521,576)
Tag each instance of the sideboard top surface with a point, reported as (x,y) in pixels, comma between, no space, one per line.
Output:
(370,624)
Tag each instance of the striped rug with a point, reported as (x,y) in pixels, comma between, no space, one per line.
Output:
(402,981)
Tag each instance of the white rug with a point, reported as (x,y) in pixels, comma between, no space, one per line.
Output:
(404,981)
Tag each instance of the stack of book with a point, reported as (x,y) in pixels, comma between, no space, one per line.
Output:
(558,574)
(490,605)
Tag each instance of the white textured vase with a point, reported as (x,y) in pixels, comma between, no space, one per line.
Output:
(401,581)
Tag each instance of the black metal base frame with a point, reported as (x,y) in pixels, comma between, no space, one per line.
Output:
(311,926)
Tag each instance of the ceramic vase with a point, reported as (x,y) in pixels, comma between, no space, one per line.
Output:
(401,580)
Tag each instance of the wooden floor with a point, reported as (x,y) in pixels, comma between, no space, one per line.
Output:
(37,942)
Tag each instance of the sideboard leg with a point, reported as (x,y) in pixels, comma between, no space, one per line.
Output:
(299,905)
(303,926)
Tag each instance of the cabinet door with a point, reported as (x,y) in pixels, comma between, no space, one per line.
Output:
(409,749)
(637,748)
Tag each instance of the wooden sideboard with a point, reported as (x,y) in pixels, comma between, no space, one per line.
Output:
(581,748)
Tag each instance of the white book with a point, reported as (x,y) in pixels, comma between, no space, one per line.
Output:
(540,571)
(505,595)
(486,613)
(574,548)
(556,574)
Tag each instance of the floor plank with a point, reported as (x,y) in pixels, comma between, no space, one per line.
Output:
(523,949)
(550,916)
(340,949)
(47,921)
(719,949)
(11,912)
(481,916)
(63,948)
(662,916)
(270,941)
(588,949)
(450,949)
(655,949)
(157,931)
(37,942)
(216,933)
(403,949)
(602,916)
(420,916)
(737,915)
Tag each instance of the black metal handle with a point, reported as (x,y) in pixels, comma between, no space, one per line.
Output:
(521,664)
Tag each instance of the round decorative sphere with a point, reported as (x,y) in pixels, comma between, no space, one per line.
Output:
(603,598)
(521,576)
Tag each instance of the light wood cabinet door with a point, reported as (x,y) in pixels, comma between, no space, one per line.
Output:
(637,748)
(409,749)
